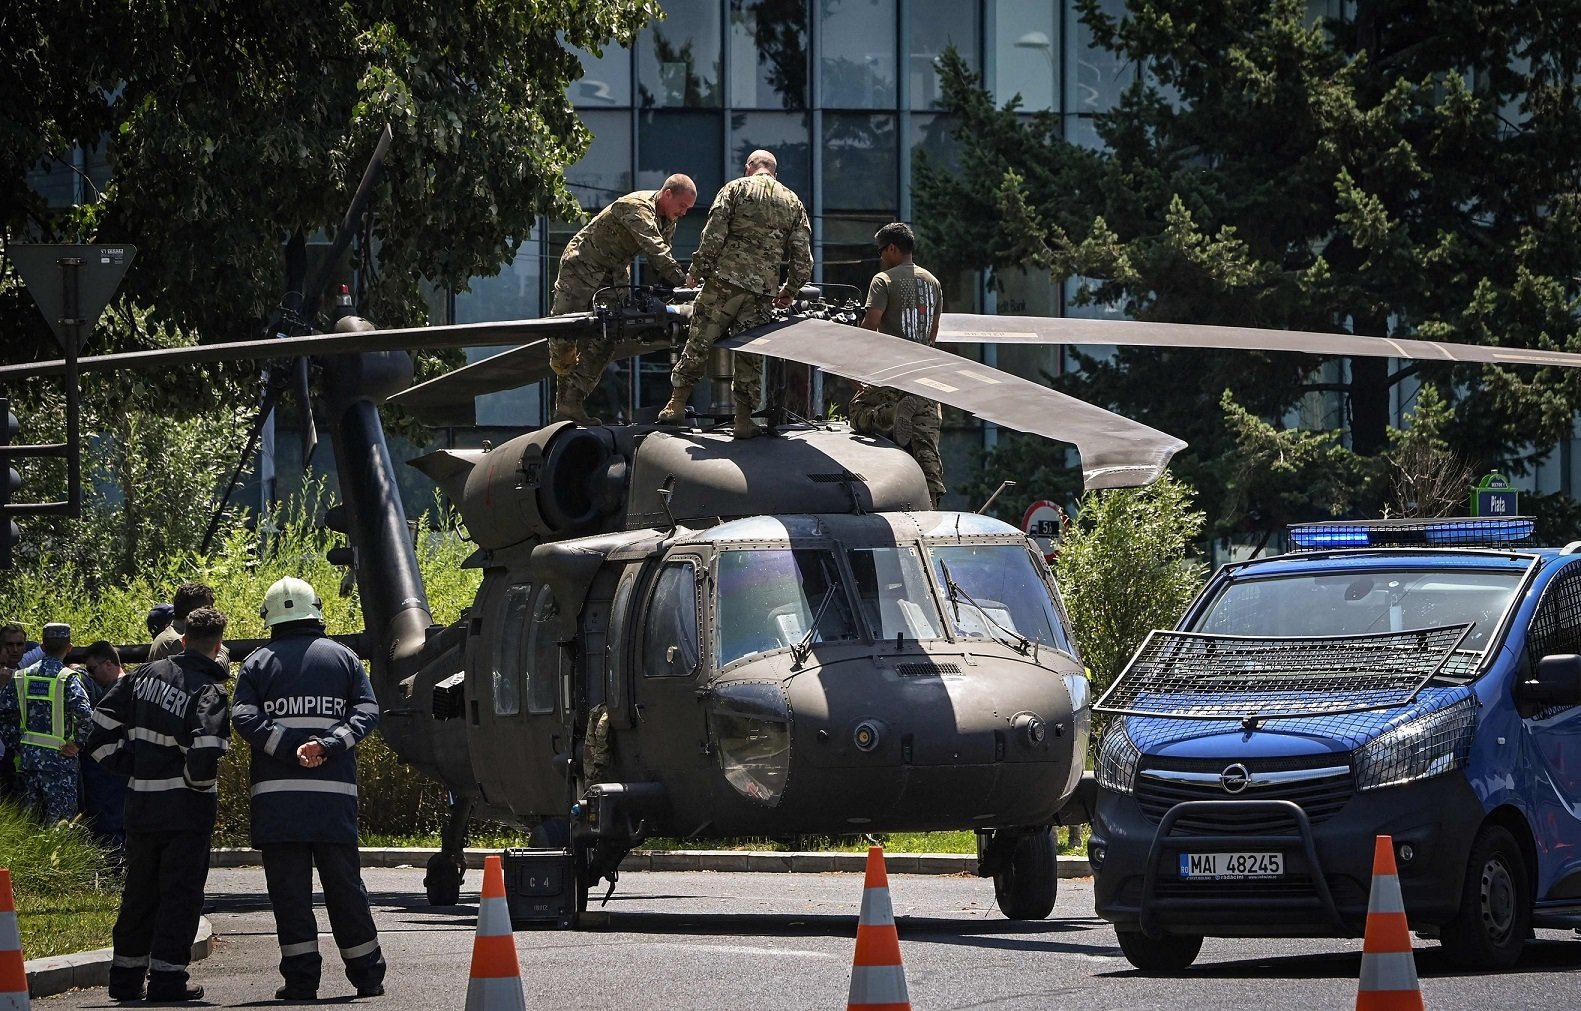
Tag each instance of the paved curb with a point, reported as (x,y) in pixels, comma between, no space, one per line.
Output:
(47,977)
(701,860)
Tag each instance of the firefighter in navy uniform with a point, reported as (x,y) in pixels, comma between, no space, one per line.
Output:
(165,727)
(303,702)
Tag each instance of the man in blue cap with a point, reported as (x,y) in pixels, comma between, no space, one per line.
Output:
(44,711)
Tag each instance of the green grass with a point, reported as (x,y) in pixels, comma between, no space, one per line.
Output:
(66,899)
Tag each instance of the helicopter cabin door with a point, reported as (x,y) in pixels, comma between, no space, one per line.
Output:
(517,715)
(671,725)
(546,722)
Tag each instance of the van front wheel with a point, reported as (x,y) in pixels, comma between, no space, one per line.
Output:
(1495,916)
(1168,953)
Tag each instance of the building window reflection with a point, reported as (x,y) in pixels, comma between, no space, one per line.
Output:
(605,80)
(785,134)
(1095,78)
(860,166)
(604,172)
(676,141)
(768,54)
(1026,53)
(856,46)
(678,58)
(936,25)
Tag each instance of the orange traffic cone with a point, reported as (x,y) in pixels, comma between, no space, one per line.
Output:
(878,979)
(496,983)
(1388,968)
(13,973)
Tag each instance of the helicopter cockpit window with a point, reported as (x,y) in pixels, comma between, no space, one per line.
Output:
(507,651)
(670,648)
(893,589)
(996,594)
(769,598)
(543,673)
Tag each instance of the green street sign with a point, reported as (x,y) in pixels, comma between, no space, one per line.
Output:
(1493,496)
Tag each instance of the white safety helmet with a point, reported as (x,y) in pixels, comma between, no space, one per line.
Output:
(291,599)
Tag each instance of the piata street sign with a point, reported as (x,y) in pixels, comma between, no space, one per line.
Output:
(1493,496)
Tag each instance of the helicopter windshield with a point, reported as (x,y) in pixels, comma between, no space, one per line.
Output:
(768,598)
(997,594)
(893,588)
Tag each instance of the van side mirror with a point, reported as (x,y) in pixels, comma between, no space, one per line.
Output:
(1558,681)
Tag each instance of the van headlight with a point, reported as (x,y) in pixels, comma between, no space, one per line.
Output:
(1117,758)
(1429,746)
(1081,717)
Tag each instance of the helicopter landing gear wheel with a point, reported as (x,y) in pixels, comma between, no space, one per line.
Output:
(1169,953)
(1026,883)
(443,880)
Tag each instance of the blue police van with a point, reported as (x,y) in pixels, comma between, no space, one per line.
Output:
(1418,679)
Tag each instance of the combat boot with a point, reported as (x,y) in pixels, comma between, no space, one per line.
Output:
(674,412)
(570,405)
(745,428)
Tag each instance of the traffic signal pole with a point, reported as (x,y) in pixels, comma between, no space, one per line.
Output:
(71,285)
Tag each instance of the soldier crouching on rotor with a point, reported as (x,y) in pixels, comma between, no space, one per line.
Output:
(754,223)
(599,256)
(903,300)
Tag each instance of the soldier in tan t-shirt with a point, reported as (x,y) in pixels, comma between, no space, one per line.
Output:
(904,300)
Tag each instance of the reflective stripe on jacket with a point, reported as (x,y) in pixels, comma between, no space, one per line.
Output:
(165,727)
(302,687)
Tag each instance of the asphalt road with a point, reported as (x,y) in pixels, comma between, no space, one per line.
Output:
(769,942)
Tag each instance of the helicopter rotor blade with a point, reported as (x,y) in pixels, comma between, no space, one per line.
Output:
(417,338)
(448,401)
(1116,452)
(968,328)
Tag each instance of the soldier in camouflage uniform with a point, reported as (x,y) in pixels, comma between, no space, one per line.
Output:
(755,223)
(599,256)
(51,730)
(904,300)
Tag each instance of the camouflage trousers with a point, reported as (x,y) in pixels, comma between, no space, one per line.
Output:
(909,421)
(52,792)
(574,289)
(722,309)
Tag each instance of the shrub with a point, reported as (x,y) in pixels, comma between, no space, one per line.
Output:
(395,798)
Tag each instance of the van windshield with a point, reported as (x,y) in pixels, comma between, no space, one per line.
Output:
(1299,605)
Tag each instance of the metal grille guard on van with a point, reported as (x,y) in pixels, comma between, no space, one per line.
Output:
(1194,676)
(1302,838)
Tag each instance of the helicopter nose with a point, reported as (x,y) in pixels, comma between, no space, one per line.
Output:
(937,742)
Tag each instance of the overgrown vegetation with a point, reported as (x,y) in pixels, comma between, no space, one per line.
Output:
(1125,568)
(65,896)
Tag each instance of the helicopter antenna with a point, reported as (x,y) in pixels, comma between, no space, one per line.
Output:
(848,482)
(1006,483)
(664,499)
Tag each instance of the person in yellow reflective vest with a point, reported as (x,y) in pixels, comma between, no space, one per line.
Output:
(45,713)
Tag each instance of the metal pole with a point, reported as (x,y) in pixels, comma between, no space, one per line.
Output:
(70,268)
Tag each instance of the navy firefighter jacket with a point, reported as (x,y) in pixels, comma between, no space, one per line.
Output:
(304,686)
(164,725)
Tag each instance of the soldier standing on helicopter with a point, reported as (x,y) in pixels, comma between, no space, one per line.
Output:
(755,223)
(599,256)
(904,300)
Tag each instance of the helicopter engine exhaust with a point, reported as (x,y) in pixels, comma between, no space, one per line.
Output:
(560,481)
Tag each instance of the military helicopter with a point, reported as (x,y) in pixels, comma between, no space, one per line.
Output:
(686,635)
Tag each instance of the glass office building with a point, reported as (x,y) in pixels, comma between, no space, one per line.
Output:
(846,94)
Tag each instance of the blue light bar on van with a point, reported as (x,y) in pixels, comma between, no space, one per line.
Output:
(1478,532)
